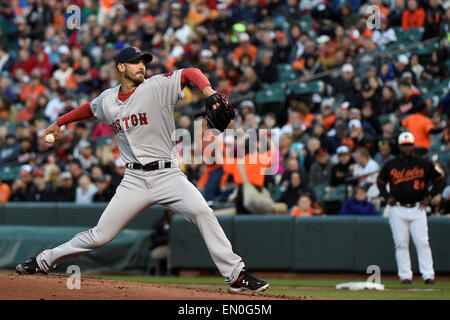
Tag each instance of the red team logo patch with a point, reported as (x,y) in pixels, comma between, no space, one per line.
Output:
(137,49)
(168,75)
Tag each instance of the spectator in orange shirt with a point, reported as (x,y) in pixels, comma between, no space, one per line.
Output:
(28,111)
(254,164)
(245,47)
(199,13)
(33,90)
(5,191)
(306,117)
(411,99)
(413,16)
(106,10)
(326,110)
(303,207)
(421,127)
(383,10)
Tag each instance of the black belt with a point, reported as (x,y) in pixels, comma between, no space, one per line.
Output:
(155,165)
(407,205)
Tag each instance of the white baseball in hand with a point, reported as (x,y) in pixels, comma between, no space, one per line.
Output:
(50,138)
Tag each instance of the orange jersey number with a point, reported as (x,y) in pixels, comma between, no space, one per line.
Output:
(419,185)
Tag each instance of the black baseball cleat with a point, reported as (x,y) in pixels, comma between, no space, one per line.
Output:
(429,281)
(29,267)
(246,282)
(406,281)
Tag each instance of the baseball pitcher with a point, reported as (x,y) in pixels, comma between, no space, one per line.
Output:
(410,178)
(140,111)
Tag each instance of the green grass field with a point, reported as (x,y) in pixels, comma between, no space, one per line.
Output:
(317,288)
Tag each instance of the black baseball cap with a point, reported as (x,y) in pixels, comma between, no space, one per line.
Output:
(132,53)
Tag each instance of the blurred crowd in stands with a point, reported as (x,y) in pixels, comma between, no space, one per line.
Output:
(372,83)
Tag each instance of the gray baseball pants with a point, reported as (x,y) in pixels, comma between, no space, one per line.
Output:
(139,190)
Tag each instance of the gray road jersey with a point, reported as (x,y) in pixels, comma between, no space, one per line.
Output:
(144,123)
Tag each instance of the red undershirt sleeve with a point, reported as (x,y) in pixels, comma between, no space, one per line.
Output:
(194,76)
(83,112)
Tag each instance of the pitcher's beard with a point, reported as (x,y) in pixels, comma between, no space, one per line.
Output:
(136,81)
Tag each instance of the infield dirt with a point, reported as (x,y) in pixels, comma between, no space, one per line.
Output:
(54,287)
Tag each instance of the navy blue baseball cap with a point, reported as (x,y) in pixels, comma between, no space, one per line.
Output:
(132,53)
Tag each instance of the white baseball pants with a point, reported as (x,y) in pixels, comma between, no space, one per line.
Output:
(405,221)
(139,190)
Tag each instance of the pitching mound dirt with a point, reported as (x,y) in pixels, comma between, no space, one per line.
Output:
(54,287)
